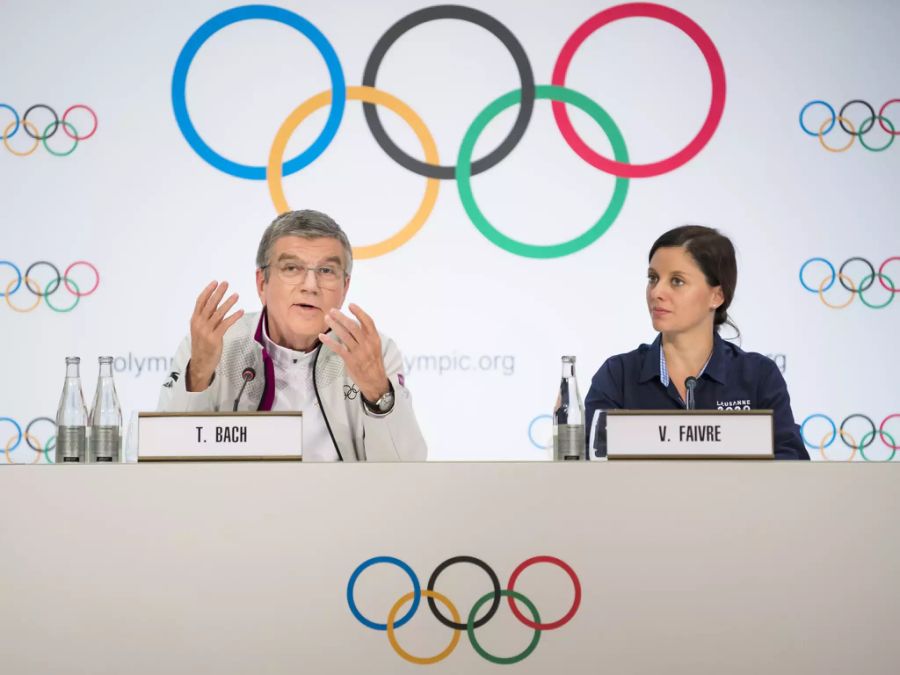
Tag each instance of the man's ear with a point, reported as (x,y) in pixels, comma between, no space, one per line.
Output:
(260,285)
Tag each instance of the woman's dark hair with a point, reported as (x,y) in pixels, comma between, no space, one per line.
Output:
(714,255)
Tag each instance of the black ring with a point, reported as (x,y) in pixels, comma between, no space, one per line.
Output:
(860,289)
(45,293)
(494,580)
(28,431)
(871,117)
(55,121)
(502,33)
(867,419)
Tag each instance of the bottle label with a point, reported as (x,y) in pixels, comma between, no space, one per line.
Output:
(105,444)
(568,441)
(70,444)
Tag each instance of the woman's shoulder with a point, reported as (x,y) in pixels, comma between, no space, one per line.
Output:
(759,363)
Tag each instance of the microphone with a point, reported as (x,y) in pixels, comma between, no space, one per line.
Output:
(248,375)
(689,385)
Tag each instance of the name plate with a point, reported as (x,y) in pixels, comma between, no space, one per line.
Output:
(219,436)
(694,434)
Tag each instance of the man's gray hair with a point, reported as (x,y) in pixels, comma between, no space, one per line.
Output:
(308,224)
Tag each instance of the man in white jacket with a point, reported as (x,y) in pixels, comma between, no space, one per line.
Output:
(300,352)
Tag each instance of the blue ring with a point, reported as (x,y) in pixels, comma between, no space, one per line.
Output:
(830,283)
(13,111)
(830,109)
(531,428)
(833,431)
(417,591)
(217,23)
(18,428)
(18,276)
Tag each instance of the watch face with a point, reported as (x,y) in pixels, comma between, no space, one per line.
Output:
(386,402)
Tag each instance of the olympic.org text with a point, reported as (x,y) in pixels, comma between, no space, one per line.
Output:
(137,365)
(460,363)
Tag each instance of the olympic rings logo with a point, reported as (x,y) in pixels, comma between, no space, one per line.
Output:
(431,169)
(39,136)
(540,421)
(471,623)
(853,288)
(822,129)
(32,439)
(857,440)
(29,283)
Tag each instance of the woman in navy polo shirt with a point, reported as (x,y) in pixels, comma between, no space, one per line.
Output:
(690,284)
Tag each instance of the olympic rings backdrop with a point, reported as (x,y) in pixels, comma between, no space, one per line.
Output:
(501,169)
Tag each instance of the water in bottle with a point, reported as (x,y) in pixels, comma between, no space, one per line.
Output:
(71,417)
(106,417)
(568,416)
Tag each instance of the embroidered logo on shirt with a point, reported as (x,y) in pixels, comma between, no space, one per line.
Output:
(734,405)
(350,391)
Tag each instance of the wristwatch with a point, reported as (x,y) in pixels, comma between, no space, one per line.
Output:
(384,404)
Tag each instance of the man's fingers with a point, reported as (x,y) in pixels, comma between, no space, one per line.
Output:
(364,319)
(223,309)
(336,318)
(229,321)
(210,307)
(334,345)
(345,336)
(204,296)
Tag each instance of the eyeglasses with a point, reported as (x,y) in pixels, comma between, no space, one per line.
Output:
(292,272)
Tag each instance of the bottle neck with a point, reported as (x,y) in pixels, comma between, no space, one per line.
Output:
(72,371)
(106,369)
(568,370)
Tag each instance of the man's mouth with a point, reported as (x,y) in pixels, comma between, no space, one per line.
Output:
(305,307)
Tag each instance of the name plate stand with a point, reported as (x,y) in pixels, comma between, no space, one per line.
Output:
(228,436)
(690,434)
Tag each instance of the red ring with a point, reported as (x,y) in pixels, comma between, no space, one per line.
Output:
(881,431)
(66,280)
(716,106)
(76,136)
(883,265)
(896,132)
(575,603)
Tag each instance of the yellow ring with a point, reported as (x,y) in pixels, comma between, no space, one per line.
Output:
(27,309)
(822,137)
(36,135)
(367,95)
(825,282)
(25,437)
(852,445)
(393,615)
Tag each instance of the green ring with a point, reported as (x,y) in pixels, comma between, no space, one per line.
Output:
(862,285)
(890,136)
(464,174)
(51,445)
(74,145)
(862,450)
(501,660)
(47,293)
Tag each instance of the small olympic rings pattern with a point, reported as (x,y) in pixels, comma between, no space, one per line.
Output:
(853,131)
(457,623)
(41,133)
(864,285)
(523,98)
(857,432)
(39,435)
(20,281)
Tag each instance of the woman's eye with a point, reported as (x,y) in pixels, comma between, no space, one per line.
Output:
(677,282)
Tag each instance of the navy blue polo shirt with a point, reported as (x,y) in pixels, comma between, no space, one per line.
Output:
(732,380)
